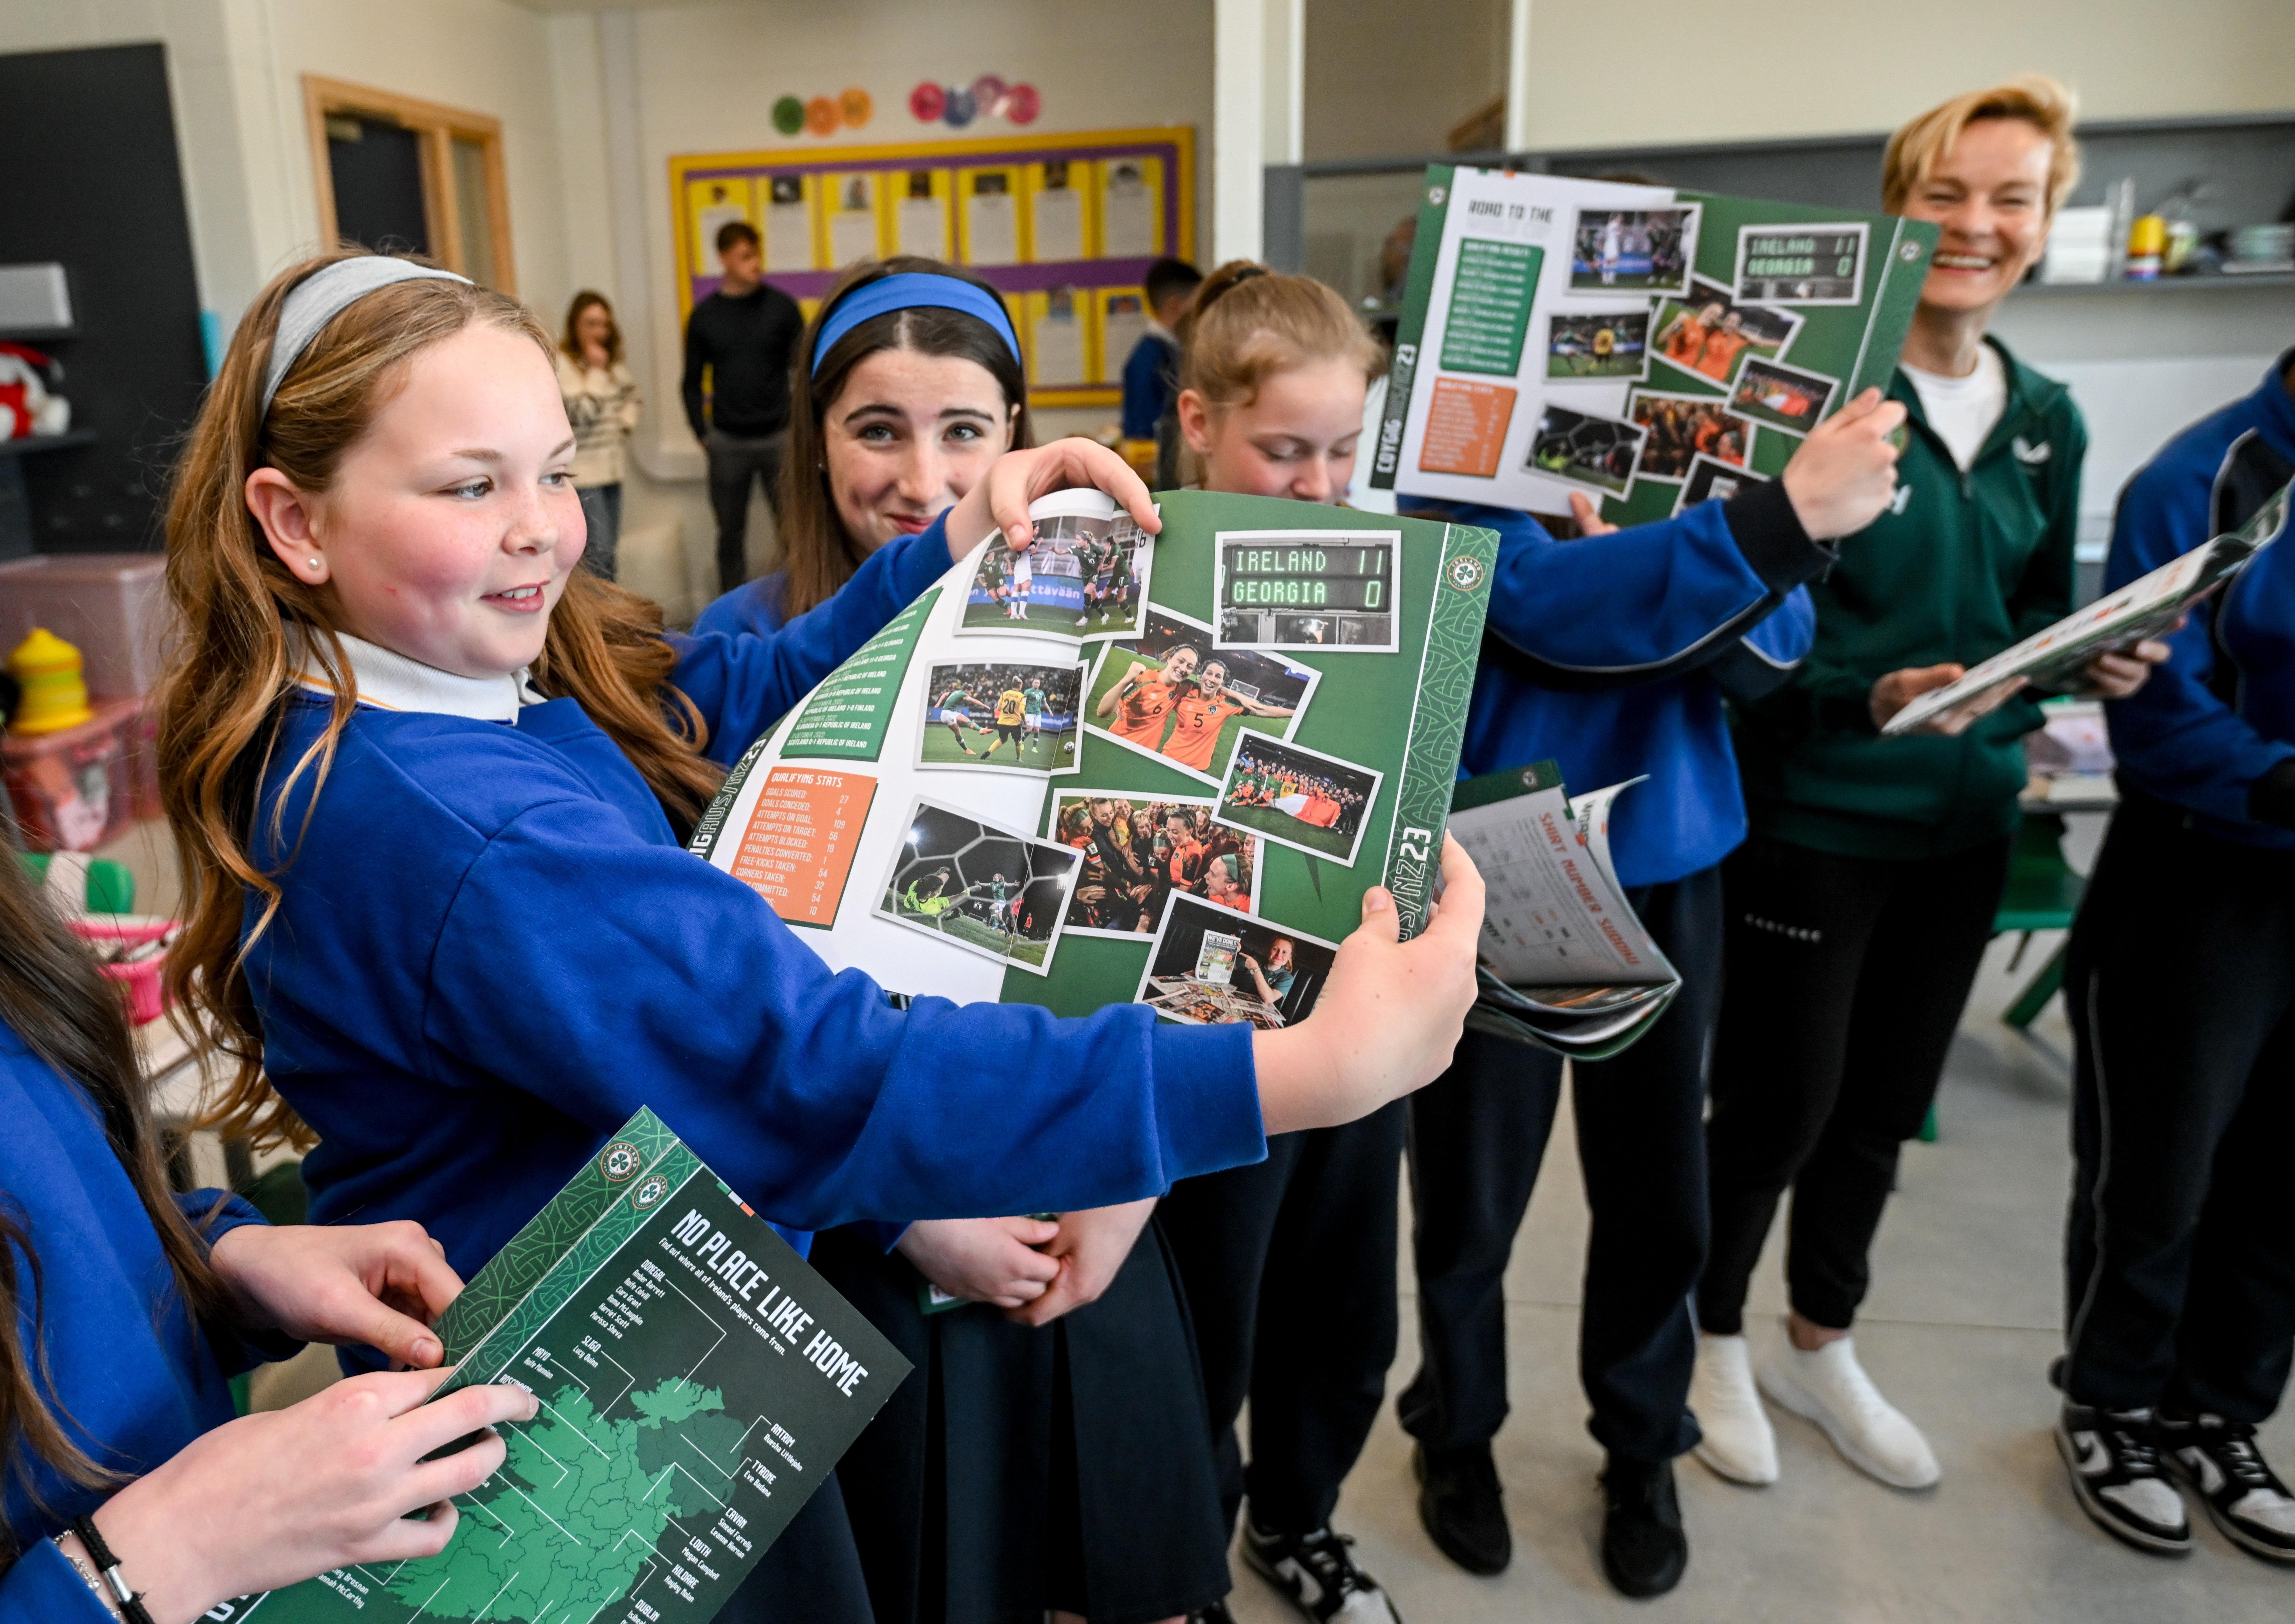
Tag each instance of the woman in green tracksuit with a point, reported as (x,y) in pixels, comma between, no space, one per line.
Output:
(1858,910)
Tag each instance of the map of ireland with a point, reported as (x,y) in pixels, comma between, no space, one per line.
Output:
(698,1381)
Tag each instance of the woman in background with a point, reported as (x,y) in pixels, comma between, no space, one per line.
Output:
(1875,865)
(602,399)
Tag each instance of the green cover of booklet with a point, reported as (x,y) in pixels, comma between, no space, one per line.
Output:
(698,1381)
(1645,347)
(1111,769)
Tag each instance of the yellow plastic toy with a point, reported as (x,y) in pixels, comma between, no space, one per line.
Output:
(55,694)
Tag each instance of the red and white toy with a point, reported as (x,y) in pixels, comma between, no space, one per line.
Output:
(28,402)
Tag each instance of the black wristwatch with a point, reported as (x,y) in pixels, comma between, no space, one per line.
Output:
(131,1604)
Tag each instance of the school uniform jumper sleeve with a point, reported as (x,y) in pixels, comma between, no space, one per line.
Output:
(802,1087)
(742,682)
(1646,603)
(2181,736)
(44,1588)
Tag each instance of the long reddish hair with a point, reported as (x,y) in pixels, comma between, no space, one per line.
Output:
(249,626)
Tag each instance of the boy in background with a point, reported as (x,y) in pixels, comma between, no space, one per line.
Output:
(1151,372)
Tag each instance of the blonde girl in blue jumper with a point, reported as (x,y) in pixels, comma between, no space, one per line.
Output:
(428,784)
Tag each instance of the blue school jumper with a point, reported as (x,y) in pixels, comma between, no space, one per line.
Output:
(134,1379)
(491,949)
(1612,656)
(2214,727)
(754,607)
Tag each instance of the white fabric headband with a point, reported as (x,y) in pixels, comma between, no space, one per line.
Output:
(323,295)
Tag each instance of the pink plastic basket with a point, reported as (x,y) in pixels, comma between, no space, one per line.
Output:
(147,998)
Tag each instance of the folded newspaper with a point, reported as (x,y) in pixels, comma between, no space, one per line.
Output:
(1565,963)
(2140,609)
(1108,768)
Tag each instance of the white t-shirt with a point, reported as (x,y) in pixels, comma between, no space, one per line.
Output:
(1964,410)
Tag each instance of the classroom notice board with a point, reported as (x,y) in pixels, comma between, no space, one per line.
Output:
(1064,226)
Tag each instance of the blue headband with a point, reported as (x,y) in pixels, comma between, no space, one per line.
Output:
(906,291)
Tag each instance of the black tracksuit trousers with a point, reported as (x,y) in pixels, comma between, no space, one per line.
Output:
(1477,1135)
(2179,1263)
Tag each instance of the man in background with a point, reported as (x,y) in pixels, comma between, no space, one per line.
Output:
(742,336)
(1151,372)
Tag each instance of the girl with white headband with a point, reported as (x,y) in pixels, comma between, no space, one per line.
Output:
(428,782)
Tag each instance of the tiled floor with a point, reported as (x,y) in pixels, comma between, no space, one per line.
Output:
(1961,1326)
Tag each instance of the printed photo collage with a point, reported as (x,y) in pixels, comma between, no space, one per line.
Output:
(1639,314)
(1180,874)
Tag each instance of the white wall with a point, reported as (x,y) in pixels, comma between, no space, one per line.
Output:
(1639,72)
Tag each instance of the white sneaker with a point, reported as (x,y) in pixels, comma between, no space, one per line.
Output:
(1739,1443)
(1831,1388)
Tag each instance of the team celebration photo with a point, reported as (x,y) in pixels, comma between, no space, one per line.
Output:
(1140,851)
(1167,695)
(1298,797)
(1681,427)
(1711,334)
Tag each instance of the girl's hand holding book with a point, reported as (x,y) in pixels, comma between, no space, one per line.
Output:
(999,501)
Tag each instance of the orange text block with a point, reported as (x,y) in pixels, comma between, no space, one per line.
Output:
(797,850)
(1466,427)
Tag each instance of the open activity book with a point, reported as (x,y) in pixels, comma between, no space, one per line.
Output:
(698,1381)
(1113,770)
(2118,621)
(1564,961)
(1645,347)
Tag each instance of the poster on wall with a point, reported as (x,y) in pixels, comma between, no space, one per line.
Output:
(1064,226)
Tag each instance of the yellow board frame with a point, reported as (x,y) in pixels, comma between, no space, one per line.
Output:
(1017,152)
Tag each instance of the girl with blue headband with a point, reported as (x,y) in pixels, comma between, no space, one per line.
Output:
(908,385)
(428,781)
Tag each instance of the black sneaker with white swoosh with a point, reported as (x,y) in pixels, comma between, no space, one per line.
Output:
(2118,1481)
(1317,1573)
(2243,1496)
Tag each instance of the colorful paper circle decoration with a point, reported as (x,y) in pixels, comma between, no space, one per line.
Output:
(856,106)
(989,96)
(788,115)
(821,117)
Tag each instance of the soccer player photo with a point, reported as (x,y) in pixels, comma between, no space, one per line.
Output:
(1580,448)
(1309,588)
(1801,265)
(1597,347)
(1782,397)
(1168,694)
(1681,427)
(1633,251)
(1209,969)
(1084,577)
(1298,797)
(1142,851)
(1712,481)
(984,889)
(1002,715)
(1710,334)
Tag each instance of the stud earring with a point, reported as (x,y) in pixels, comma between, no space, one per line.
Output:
(311,563)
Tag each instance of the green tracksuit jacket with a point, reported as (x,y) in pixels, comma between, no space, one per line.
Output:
(1961,566)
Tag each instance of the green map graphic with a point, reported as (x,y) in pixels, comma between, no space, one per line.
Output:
(580,1506)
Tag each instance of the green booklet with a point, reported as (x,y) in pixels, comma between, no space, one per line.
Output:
(698,1381)
(1109,769)
(1646,347)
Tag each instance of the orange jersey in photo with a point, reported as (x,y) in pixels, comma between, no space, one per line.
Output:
(1198,730)
(1722,349)
(1687,339)
(1140,718)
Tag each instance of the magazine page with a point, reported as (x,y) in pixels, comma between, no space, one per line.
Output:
(1114,770)
(2120,620)
(1645,347)
(698,1380)
(1555,917)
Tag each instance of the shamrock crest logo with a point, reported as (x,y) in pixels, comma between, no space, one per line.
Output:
(648,1192)
(620,1161)
(1464,573)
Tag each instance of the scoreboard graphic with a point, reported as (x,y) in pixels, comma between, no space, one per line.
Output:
(1295,589)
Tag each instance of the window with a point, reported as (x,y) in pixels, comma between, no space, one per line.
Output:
(408,176)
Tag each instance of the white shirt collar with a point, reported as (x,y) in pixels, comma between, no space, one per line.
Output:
(393,682)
